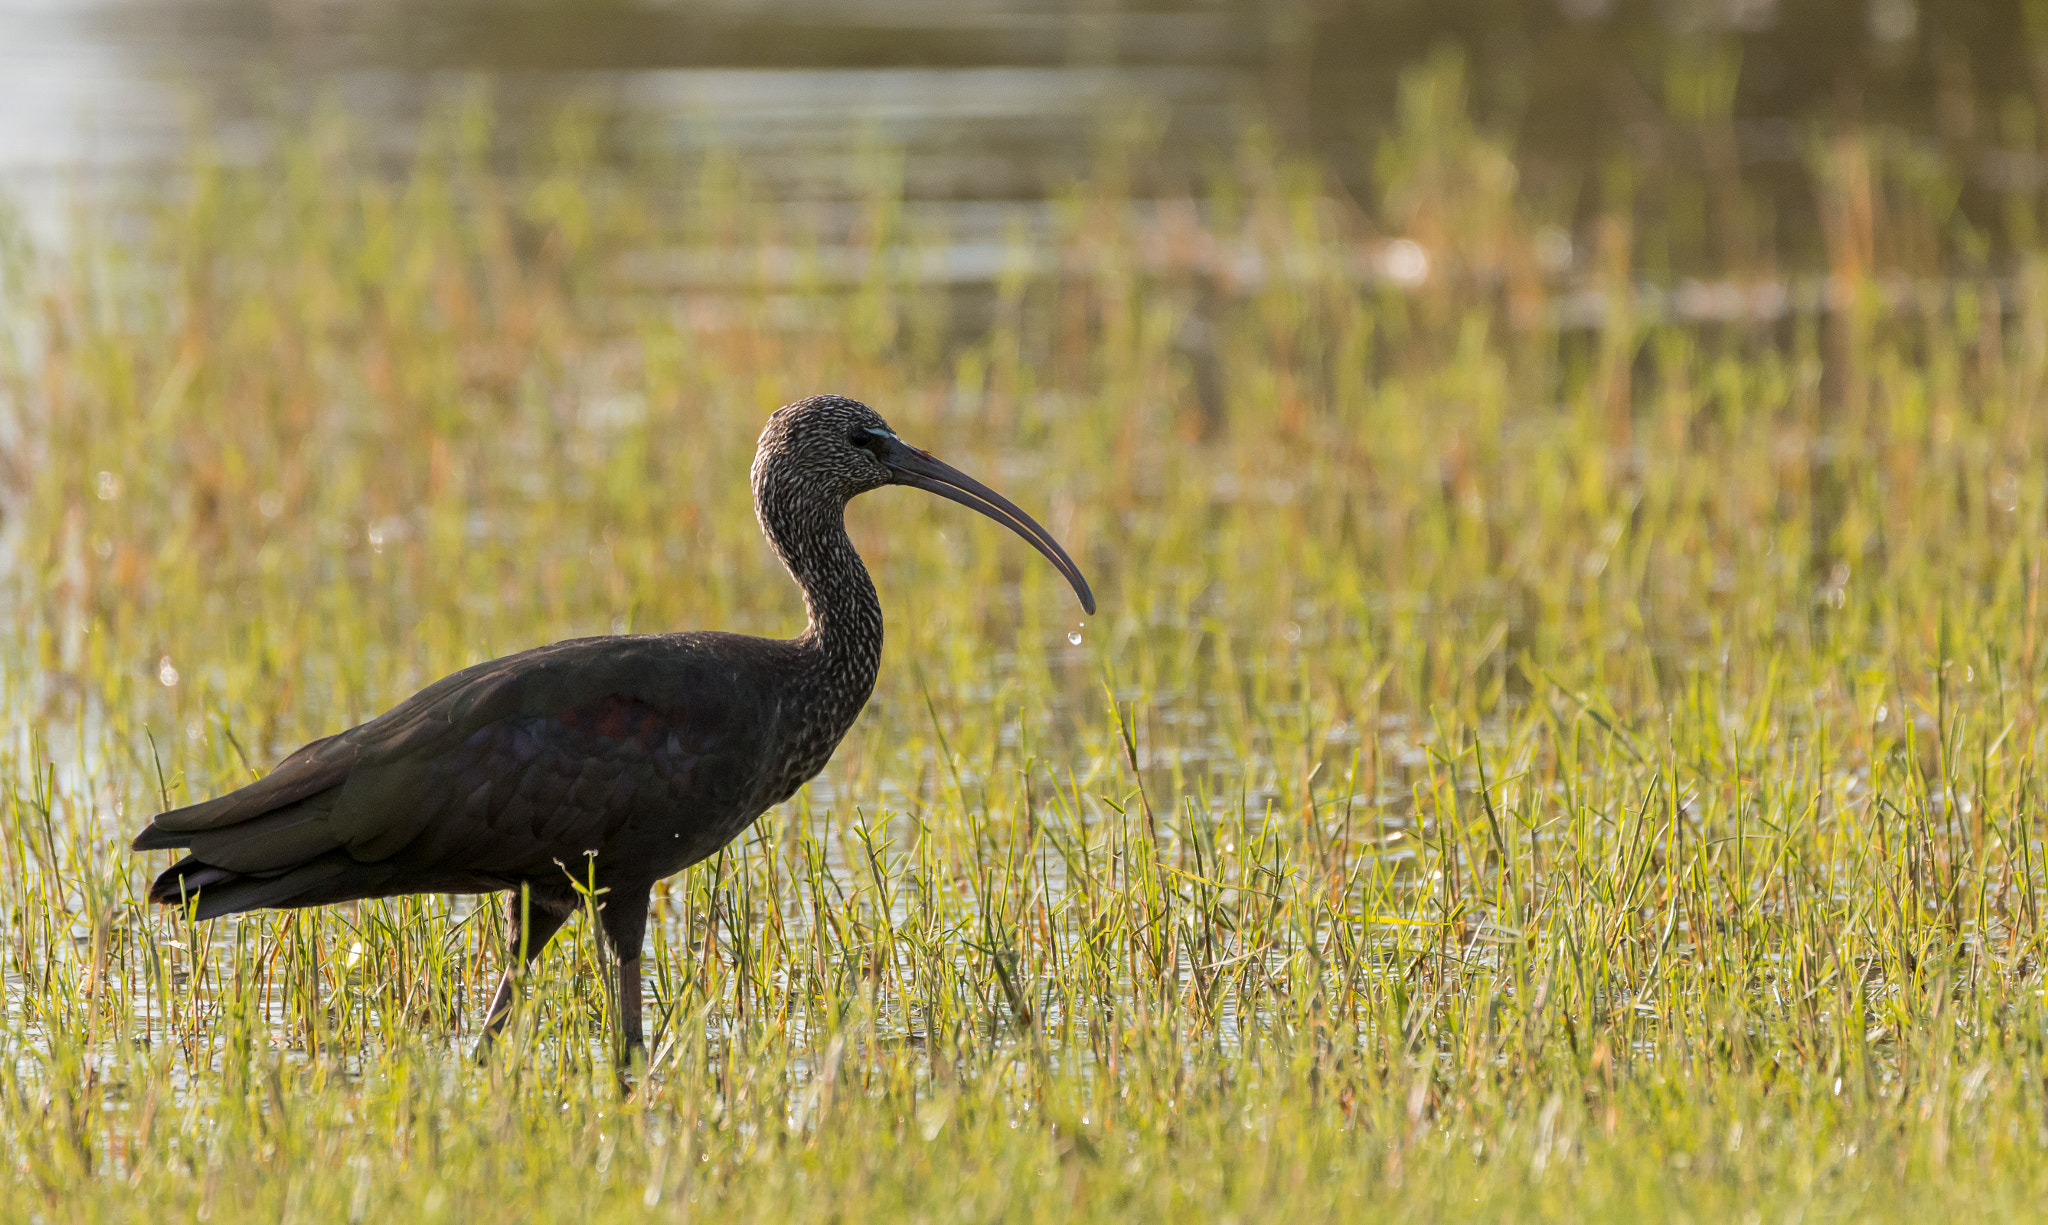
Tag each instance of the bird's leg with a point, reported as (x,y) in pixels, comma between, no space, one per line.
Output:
(624,918)
(535,921)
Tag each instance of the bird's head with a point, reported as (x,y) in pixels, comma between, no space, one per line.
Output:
(830,447)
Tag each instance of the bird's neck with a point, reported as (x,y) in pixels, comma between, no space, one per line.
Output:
(842,644)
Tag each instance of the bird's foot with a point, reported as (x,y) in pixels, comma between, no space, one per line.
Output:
(632,1069)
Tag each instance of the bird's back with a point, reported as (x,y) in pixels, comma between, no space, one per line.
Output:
(621,758)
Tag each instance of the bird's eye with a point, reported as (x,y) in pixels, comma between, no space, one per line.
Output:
(866,440)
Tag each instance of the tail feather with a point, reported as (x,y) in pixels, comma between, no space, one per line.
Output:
(184,880)
(157,838)
(267,860)
(319,766)
(266,841)
(213,891)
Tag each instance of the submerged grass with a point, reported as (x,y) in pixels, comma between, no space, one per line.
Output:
(1542,754)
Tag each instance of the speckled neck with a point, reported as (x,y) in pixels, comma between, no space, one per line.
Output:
(841,647)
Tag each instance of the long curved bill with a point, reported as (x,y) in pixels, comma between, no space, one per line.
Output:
(921,469)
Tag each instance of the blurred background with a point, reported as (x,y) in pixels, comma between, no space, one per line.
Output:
(1002,101)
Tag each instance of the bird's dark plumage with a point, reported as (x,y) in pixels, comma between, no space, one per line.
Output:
(605,762)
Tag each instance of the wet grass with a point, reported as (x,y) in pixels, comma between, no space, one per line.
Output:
(1545,752)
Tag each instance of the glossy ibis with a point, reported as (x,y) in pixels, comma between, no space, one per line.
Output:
(606,762)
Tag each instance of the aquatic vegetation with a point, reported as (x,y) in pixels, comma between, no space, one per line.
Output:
(1560,738)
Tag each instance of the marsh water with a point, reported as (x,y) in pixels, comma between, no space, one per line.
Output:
(995,102)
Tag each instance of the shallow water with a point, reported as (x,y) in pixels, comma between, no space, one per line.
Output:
(1008,100)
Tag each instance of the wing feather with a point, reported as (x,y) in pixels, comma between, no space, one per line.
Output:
(502,770)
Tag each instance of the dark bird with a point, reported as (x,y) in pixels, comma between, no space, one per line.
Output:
(599,764)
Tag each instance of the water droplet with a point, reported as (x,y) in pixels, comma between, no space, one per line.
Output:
(107,486)
(1074,637)
(165,672)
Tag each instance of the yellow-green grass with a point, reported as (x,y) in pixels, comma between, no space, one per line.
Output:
(1519,770)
